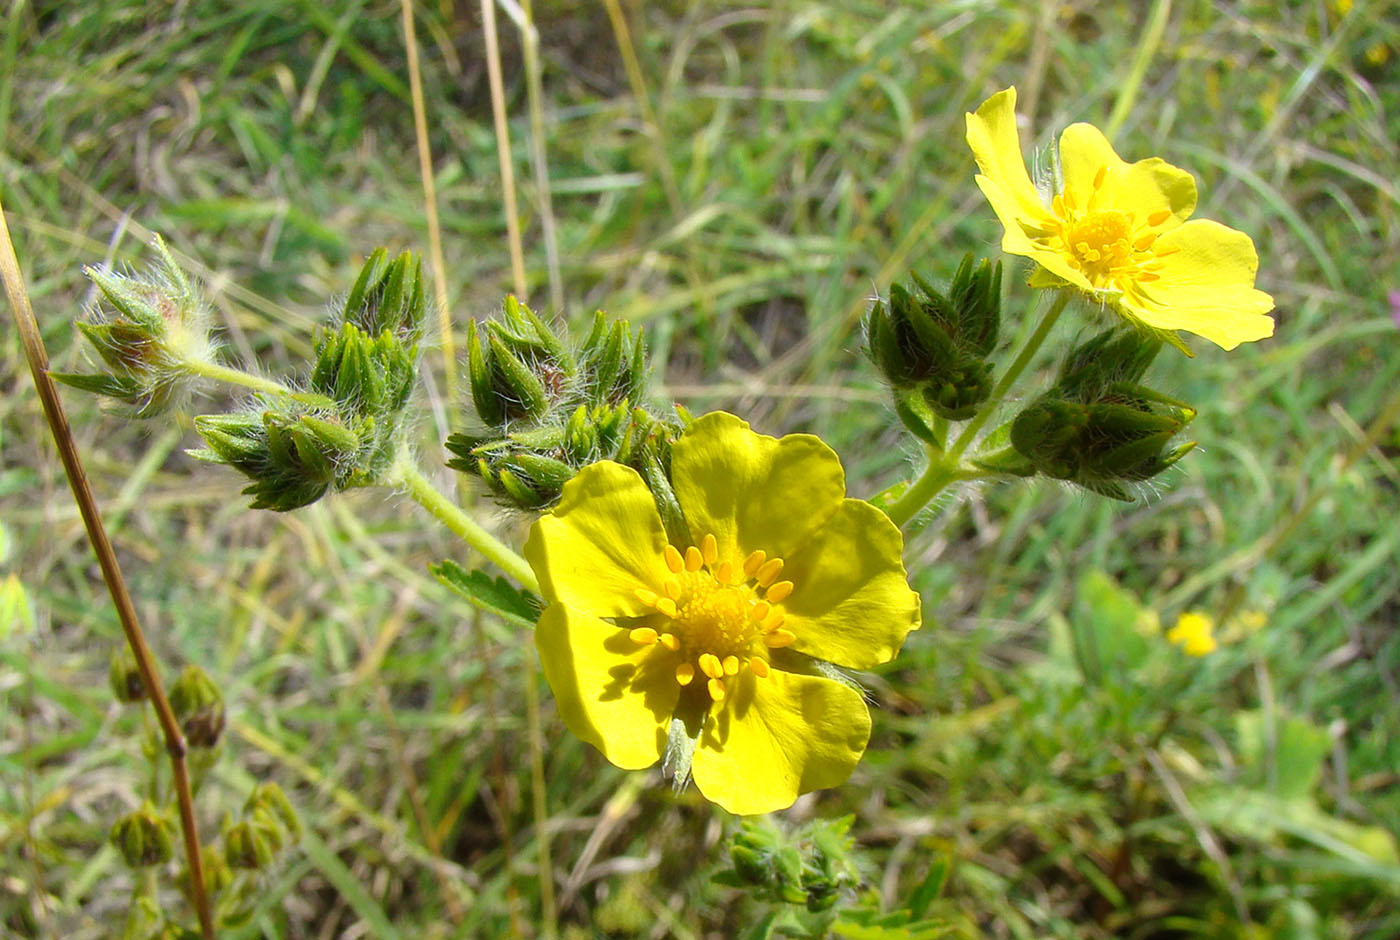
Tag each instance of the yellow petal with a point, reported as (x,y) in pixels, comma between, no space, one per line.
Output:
(996,145)
(776,738)
(1018,242)
(602,542)
(612,693)
(1144,188)
(753,491)
(1205,286)
(852,605)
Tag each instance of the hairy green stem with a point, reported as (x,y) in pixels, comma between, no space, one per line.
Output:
(406,474)
(946,468)
(212,370)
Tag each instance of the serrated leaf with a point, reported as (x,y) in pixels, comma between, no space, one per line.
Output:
(496,595)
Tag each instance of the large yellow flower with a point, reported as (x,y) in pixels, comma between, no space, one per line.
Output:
(728,633)
(1118,232)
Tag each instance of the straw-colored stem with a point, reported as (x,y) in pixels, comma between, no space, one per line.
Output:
(430,211)
(498,113)
(107,560)
(406,474)
(530,48)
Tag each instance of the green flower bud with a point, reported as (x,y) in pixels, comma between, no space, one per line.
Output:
(936,343)
(250,846)
(125,677)
(269,799)
(291,458)
(387,297)
(143,838)
(198,706)
(159,323)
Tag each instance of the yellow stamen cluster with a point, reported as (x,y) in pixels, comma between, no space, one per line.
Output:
(719,616)
(1110,247)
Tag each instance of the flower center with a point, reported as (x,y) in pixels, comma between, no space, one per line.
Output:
(1110,247)
(719,617)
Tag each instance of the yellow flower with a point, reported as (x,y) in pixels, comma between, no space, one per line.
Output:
(1193,633)
(724,634)
(1118,232)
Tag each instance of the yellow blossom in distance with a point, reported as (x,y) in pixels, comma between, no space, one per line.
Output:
(724,633)
(1118,232)
(1194,633)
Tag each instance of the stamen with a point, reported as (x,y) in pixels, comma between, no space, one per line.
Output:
(646,597)
(1158,217)
(778,592)
(759,667)
(716,690)
(768,572)
(780,638)
(1100,176)
(693,559)
(711,666)
(685,673)
(724,574)
(709,548)
(642,636)
(760,610)
(667,607)
(674,561)
(673,589)
(752,563)
(773,621)
(731,665)
(1145,242)
(1058,205)
(670,641)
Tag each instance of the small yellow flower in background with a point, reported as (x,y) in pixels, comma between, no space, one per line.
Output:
(1119,232)
(722,634)
(1194,633)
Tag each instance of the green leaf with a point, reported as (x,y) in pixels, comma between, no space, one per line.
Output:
(1294,751)
(496,595)
(1106,633)
(16,614)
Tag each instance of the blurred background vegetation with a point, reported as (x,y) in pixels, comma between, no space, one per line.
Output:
(740,179)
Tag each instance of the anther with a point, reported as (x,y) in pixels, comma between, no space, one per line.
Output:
(768,572)
(1100,176)
(759,667)
(711,666)
(779,591)
(1158,217)
(670,641)
(724,574)
(674,561)
(693,559)
(731,665)
(667,606)
(759,611)
(716,690)
(642,636)
(709,549)
(685,673)
(780,638)
(773,621)
(646,597)
(752,563)
(673,589)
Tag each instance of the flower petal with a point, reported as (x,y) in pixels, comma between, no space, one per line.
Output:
(1205,286)
(996,145)
(602,542)
(777,738)
(1018,242)
(611,692)
(752,491)
(1144,188)
(852,604)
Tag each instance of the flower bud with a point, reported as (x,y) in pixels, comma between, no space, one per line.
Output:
(292,459)
(143,838)
(127,684)
(269,799)
(250,846)
(158,324)
(936,343)
(198,706)
(387,297)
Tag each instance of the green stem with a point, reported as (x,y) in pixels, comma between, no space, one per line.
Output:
(947,467)
(212,370)
(406,474)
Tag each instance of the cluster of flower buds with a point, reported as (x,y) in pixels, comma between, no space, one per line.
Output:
(198,706)
(158,325)
(1096,426)
(267,826)
(125,676)
(143,838)
(345,430)
(932,346)
(809,867)
(548,409)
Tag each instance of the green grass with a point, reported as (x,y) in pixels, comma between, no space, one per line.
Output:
(802,155)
